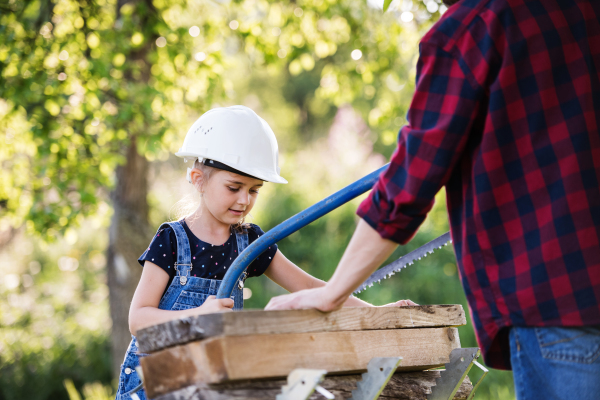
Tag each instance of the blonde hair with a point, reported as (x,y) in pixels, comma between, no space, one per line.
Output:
(186,206)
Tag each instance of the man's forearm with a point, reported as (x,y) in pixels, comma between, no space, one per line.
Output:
(365,252)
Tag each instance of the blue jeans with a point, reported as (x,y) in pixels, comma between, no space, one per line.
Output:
(556,363)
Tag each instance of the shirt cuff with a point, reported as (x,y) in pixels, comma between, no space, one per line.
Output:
(374,211)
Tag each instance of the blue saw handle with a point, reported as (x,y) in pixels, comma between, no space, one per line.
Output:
(292,225)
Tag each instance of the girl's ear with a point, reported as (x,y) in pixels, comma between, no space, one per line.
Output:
(197,179)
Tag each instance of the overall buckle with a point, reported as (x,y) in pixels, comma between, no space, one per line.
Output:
(183,278)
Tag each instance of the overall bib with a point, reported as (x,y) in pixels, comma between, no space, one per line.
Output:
(184,292)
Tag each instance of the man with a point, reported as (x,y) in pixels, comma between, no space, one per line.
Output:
(505,116)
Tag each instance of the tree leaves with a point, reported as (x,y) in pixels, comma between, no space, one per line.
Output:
(80,79)
(386,4)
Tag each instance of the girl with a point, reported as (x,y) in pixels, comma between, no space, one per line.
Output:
(235,152)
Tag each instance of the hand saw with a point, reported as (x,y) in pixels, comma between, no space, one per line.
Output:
(408,259)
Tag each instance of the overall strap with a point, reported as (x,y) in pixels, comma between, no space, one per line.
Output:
(183,266)
(242,243)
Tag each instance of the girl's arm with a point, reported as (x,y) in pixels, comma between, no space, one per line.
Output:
(144,309)
(293,279)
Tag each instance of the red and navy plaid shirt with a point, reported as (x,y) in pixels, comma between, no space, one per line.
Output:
(505,116)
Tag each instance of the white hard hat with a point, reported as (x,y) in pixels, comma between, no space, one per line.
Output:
(236,137)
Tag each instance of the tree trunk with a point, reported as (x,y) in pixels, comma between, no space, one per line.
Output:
(130,230)
(129,235)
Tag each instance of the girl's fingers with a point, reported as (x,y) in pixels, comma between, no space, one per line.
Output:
(228,303)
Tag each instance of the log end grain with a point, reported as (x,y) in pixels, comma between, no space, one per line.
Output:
(179,331)
(181,366)
(402,386)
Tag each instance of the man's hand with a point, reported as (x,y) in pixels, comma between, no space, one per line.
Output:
(366,251)
(401,303)
(310,298)
(319,299)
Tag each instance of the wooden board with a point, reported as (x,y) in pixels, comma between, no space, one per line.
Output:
(402,385)
(226,358)
(260,322)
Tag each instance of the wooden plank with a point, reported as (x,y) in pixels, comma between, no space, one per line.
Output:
(260,322)
(402,385)
(226,358)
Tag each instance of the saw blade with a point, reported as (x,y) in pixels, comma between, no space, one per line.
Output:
(408,259)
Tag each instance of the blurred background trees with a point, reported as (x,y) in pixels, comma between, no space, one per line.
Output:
(96,96)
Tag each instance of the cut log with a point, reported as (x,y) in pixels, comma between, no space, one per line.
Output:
(402,386)
(259,322)
(226,358)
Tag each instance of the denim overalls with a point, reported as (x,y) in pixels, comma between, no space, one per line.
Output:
(184,292)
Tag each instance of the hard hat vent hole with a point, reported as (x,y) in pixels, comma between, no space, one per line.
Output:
(204,131)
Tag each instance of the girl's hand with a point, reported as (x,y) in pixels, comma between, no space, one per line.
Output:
(213,305)
(401,303)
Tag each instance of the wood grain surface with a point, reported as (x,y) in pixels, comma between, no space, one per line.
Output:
(227,358)
(260,322)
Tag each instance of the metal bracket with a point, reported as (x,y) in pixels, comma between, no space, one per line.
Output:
(301,383)
(485,371)
(461,361)
(379,372)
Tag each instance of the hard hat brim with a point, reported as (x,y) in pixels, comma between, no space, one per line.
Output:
(267,176)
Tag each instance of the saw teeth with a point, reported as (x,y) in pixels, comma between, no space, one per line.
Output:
(427,249)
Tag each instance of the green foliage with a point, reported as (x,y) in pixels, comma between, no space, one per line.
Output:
(386,5)
(91,391)
(82,80)
(54,322)
(73,393)
(38,373)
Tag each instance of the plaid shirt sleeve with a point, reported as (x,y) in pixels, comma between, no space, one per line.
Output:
(443,112)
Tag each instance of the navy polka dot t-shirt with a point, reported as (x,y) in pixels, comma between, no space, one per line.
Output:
(208,261)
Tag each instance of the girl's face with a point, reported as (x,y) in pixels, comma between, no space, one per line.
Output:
(229,197)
